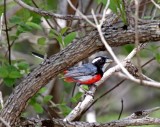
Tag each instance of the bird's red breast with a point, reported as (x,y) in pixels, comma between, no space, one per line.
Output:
(94,79)
(90,81)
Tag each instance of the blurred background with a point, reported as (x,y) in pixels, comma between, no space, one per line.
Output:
(29,32)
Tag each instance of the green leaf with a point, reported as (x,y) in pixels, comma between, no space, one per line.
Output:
(65,109)
(34,25)
(121,9)
(85,87)
(77,97)
(26,27)
(47,98)
(38,108)
(51,4)
(59,39)
(69,38)
(32,101)
(63,30)
(9,81)
(22,65)
(41,41)
(128,48)
(19,30)
(3,72)
(42,90)
(53,33)
(23,28)
(15,19)
(23,14)
(102,1)
(113,6)
(15,74)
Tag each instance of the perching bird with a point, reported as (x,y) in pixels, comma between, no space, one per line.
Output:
(88,74)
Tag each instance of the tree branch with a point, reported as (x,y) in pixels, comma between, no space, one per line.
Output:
(138,118)
(51,14)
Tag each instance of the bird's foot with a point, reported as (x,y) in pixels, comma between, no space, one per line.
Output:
(89,93)
(86,92)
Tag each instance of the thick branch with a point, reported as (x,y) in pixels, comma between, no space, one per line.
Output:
(137,118)
(117,123)
(72,54)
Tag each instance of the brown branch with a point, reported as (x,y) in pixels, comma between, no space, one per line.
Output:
(118,123)
(51,14)
(136,119)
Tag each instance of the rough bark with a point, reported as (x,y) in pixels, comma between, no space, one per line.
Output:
(118,123)
(72,54)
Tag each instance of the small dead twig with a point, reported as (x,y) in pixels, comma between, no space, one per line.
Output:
(121,109)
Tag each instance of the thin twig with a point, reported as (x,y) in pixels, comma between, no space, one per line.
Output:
(120,114)
(84,17)
(148,62)
(44,17)
(104,14)
(142,113)
(7,34)
(137,38)
(51,14)
(72,94)
(157,5)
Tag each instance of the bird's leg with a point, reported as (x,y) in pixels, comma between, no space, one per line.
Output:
(79,86)
(93,85)
(85,91)
(90,92)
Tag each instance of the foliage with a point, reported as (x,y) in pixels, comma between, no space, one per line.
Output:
(116,6)
(63,38)
(38,100)
(9,73)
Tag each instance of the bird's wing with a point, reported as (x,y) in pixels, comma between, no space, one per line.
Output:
(84,70)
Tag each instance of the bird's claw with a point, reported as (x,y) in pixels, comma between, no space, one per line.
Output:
(89,93)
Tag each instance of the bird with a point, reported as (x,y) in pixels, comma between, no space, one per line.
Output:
(85,74)
(89,73)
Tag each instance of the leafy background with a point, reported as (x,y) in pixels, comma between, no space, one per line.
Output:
(30,32)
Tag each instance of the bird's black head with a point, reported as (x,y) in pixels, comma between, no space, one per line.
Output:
(102,62)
